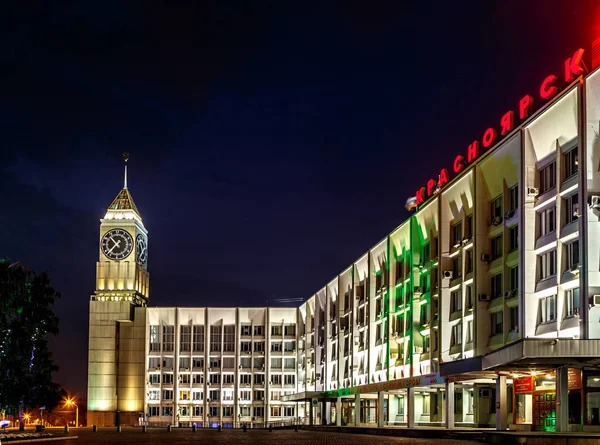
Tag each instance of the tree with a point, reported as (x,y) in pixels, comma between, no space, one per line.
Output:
(26,320)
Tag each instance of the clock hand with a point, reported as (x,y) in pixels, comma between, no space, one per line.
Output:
(115,245)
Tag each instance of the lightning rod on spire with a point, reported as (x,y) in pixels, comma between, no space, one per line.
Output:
(125,158)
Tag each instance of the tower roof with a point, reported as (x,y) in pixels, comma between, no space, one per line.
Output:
(124,201)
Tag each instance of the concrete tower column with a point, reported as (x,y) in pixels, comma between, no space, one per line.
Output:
(449,404)
(338,411)
(562,399)
(357,409)
(380,402)
(410,407)
(501,404)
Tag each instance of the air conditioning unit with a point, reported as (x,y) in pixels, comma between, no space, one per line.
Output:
(496,220)
(509,214)
(576,210)
(596,300)
(595,203)
(533,191)
(448,274)
(466,239)
(486,258)
(484,297)
(418,290)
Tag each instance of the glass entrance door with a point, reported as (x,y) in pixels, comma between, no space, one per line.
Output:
(544,411)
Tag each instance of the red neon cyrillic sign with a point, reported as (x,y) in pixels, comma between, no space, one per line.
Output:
(549,88)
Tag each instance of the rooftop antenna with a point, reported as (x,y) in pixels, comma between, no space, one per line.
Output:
(125,158)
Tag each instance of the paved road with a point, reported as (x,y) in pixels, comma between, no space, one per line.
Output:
(210,436)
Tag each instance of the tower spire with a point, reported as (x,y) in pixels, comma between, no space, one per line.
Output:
(125,158)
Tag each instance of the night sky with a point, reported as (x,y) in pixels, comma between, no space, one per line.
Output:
(272,143)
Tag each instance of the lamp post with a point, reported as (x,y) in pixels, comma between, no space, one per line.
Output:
(71,402)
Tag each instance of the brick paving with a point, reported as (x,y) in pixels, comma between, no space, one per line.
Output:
(159,436)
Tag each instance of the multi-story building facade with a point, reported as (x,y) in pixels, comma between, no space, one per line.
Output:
(481,309)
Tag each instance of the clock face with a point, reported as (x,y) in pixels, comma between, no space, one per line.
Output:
(117,244)
(141,249)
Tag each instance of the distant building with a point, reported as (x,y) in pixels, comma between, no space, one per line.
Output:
(482,309)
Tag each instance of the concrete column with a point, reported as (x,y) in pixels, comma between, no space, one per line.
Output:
(449,405)
(338,411)
(562,399)
(311,419)
(501,404)
(357,409)
(380,402)
(410,407)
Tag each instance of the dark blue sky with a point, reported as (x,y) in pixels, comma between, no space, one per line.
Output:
(271,143)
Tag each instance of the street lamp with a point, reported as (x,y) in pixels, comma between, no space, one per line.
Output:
(26,417)
(71,402)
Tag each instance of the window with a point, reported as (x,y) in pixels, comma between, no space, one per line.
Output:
(547,220)
(399,270)
(198,411)
(457,234)
(245,379)
(513,198)
(246,346)
(426,345)
(167,411)
(276,411)
(276,362)
(289,346)
(289,379)
(469,227)
(228,379)
(154,411)
(456,267)
(154,338)
(548,177)
(470,331)
(259,330)
(456,334)
(496,249)
(214,363)
(168,338)
(513,238)
(245,329)
(259,363)
(185,338)
(572,300)
(547,264)
(198,338)
(276,346)
(167,379)
(426,405)
(514,280)
(227,411)
(229,338)
(167,394)
(246,395)
(469,261)
(214,379)
(184,379)
(215,339)
(197,396)
(496,322)
(514,318)
(496,285)
(548,309)
(276,395)
(198,362)
(259,346)
(185,411)
(197,379)
(213,395)
(456,301)
(289,330)
(571,208)
(259,379)
(572,255)
(276,379)
(154,394)
(276,331)
(289,363)
(289,411)
(154,379)
(258,411)
(496,209)
(228,394)
(469,296)
(213,411)
(426,253)
(184,394)
(570,163)
(259,395)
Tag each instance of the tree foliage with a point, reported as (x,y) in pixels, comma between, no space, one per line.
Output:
(26,320)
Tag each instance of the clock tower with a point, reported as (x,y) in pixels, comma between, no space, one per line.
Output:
(116,362)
